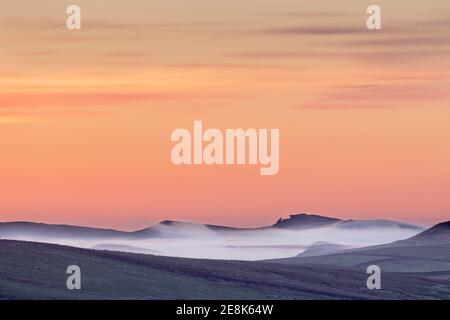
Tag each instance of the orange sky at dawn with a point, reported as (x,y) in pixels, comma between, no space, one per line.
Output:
(86,116)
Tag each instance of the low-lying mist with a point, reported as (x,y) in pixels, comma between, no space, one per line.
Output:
(199,241)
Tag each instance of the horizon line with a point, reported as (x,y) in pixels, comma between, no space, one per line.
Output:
(217,225)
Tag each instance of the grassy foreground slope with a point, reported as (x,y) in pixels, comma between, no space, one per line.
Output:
(31,270)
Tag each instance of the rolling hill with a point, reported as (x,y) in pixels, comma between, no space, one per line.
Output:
(427,253)
(169,228)
(31,270)
(286,238)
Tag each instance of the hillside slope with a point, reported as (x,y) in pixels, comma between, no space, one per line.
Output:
(427,253)
(37,271)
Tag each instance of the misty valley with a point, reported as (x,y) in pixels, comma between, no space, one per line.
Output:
(298,234)
(291,259)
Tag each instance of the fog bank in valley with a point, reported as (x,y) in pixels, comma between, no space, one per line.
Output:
(200,241)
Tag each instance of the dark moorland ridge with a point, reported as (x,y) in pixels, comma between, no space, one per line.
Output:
(297,221)
(30,270)
(438,233)
(305,220)
(416,268)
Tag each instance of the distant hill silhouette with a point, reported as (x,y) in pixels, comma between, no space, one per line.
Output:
(365,224)
(179,229)
(305,220)
(55,230)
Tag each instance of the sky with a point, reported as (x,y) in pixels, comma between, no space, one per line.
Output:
(86,116)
